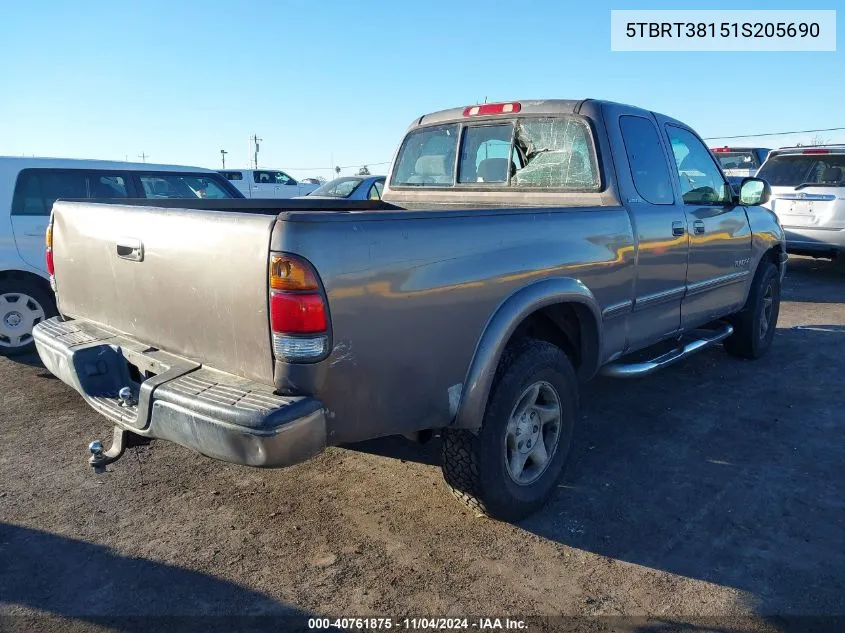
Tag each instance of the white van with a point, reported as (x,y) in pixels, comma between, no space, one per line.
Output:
(267,183)
(28,188)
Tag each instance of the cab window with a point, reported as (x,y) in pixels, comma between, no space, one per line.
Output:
(649,169)
(700,179)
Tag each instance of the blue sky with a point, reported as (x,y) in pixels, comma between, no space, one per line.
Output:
(340,81)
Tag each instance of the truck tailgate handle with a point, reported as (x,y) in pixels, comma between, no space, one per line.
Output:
(130,248)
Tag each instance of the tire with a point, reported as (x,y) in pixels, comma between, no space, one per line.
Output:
(754,326)
(23,303)
(475,463)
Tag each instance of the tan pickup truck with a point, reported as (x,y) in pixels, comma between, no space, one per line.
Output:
(522,248)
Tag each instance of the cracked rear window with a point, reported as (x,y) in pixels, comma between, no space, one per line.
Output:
(543,153)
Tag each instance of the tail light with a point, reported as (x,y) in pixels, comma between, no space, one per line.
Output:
(48,238)
(298,315)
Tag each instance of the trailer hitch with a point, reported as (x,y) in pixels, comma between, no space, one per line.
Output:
(121,440)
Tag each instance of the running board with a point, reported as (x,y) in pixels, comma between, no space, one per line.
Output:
(643,368)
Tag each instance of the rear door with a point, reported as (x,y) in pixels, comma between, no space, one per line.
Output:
(645,184)
(720,237)
(37,189)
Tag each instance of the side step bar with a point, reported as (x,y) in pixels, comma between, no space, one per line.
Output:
(643,368)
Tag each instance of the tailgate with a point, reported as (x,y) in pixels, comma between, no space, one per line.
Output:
(193,283)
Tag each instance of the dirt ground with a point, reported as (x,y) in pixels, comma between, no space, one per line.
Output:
(711,492)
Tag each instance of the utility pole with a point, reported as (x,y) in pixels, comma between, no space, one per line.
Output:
(143,156)
(223,153)
(254,138)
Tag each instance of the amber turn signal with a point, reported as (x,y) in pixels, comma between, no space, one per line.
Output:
(290,273)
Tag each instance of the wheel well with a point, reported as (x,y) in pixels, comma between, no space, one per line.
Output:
(22,275)
(569,326)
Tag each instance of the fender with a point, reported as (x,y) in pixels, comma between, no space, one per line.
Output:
(766,234)
(498,330)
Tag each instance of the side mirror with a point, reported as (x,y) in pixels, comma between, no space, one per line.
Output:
(754,191)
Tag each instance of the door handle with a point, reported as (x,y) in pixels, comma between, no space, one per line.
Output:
(698,227)
(130,248)
(678,228)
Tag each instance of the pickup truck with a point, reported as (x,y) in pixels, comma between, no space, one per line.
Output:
(521,248)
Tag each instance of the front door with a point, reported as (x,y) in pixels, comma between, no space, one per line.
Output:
(720,237)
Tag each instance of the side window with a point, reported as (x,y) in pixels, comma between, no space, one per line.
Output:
(27,199)
(263,177)
(485,154)
(646,159)
(62,184)
(282,178)
(186,186)
(701,181)
(375,190)
(233,175)
(107,186)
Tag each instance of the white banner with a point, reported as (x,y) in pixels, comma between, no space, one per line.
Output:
(722,30)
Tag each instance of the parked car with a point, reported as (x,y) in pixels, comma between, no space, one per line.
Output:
(523,248)
(28,188)
(350,188)
(267,183)
(808,196)
(740,162)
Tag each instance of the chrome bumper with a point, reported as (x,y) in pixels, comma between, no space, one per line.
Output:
(214,413)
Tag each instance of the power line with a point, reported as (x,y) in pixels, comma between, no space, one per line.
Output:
(827,129)
(387,162)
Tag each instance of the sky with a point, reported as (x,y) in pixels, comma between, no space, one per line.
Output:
(337,83)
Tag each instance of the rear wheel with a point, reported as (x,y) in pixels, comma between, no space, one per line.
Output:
(23,303)
(754,326)
(510,467)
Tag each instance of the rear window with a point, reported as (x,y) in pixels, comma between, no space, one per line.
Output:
(791,170)
(737,160)
(548,153)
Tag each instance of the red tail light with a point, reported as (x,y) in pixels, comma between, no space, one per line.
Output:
(48,239)
(816,151)
(721,150)
(297,313)
(492,108)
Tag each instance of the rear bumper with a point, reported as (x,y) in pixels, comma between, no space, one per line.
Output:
(214,413)
(800,239)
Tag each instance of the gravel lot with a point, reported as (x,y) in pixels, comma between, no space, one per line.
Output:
(711,490)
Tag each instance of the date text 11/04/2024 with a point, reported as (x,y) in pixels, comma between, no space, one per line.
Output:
(417,624)
(723,29)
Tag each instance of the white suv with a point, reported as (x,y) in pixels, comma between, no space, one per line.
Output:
(28,188)
(808,196)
